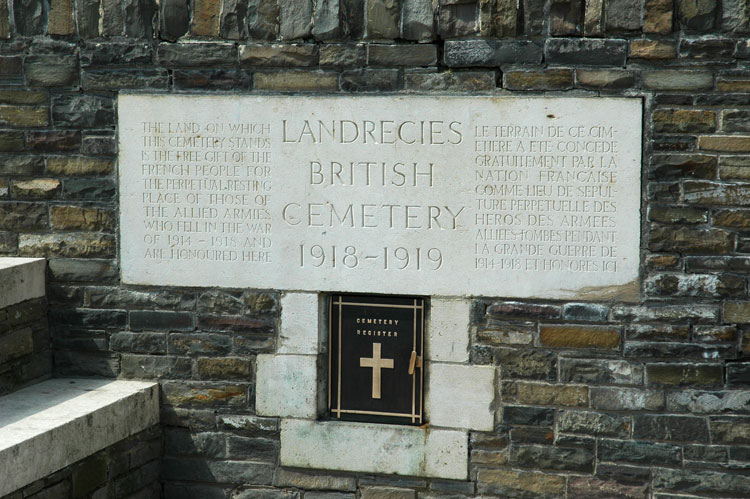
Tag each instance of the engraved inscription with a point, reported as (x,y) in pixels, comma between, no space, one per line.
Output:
(412,194)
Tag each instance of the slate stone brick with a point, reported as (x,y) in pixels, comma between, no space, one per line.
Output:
(60,19)
(87,189)
(523,310)
(533,16)
(96,143)
(295,19)
(551,457)
(382,19)
(417,20)
(17,216)
(152,319)
(30,17)
(547,79)
(527,393)
(600,371)
(198,344)
(82,270)
(672,428)
(353,18)
(652,49)
(225,368)
(657,16)
(343,55)
(309,480)
(87,18)
(657,332)
(594,488)
(254,449)
(302,81)
(586,51)
(205,21)
(511,483)
(730,431)
(626,399)
(694,481)
(217,79)
(196,54)
(697,15)
(709,402)
(174,19)
(594,423)
(178,442)
(690,241)
(139,342)
(580,336)
(677,215)
(684,121)
(371,80)
(664,350)
(526,364)
(592,312)
(468,81)
(205,394)
(11,141)
(707,48)
(738,374)
(457,18)
(88,318)
(734,16)
(233,20)
(491,53)
(402,55)
(674,166)
(711,334)
(674,79)
(505,334)
(4,21)
(21,165)
(628,451)
(263,19)
(713,453)
(112,22)
(565,17)
(739,219)
(51,70)
(114,80)
(155,366)
(139,16)
(326,25)
(77,165)
(623,15)
(522,415)
(716,285)
(254,54)
(83,111)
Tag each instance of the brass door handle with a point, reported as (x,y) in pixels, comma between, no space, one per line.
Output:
(414,361)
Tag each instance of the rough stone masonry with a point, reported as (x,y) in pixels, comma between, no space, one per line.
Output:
(595,398)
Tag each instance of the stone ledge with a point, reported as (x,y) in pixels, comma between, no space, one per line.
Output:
(374,448)
(53,424)
(21,279)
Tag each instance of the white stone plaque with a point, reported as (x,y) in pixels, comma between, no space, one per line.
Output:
(430,195)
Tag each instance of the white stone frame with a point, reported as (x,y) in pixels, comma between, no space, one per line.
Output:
(459,397)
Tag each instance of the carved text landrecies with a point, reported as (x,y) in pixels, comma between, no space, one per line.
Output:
(524,197)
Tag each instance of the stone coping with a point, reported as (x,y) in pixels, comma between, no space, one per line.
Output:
(21,279)
(55,423)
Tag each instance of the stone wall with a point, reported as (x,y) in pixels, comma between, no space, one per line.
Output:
(25,346)
(128,469)
(645,400)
